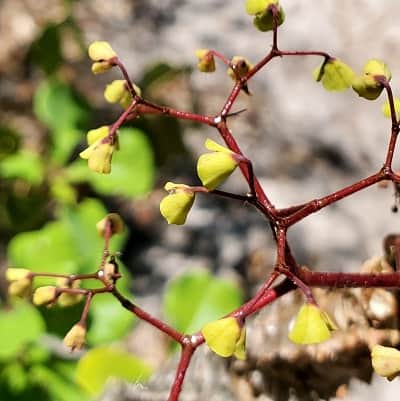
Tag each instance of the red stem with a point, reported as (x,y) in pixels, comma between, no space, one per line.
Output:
(186,356)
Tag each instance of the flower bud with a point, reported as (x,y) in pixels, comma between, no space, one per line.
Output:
(117,224)
(206,60)
(263,17)
(386,361)
(225,337)
(176,206)
(117,92)
(20,281)
(311,326)
(20,288)
(101,53)
(99,155)
(369,85)
(44,295)
(66,299)
(16,274)
(75,338)
(214,168)
(240,67)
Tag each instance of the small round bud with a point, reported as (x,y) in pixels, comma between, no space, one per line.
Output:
(44,295)
(20,288)
(369,84)
(117,224)
(263,16)
(240,67)
(117,92)
(66,299)
(75,338)
(15,274)
(176,206)
(101,51)
(206,60)
(214,168)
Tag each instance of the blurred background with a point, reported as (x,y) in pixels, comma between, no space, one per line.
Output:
(304,143)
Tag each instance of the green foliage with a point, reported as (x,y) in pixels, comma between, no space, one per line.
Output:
(196,298)
(25,165)
(102,363)
(21,325)
(61,109)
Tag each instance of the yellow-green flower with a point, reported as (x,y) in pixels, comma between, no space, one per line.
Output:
(386,361)
(100,150)
(44,295)
(117,92)
(225,337)
(206,60)
(101,53)
(368,85)
(177,204)
(20,281)
(214,168)
(263,19)
(311,326)
(75,338)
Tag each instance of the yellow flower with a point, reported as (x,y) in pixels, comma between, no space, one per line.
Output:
(65,299)
(368,85)
(75,338)
(109,271)
(225,337)
(311,326)
(117,92)
(44,295)
(117,224)
(214,168)
(386,361)
(177,204)
(20,281)
(206,60)
(101,53)
(100,150)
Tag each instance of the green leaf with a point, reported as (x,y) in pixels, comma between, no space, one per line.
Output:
(100,364)
(58,387)
(196,298)
(132,172)
(59,107)
(26,165)
(334,75)
(20,325)
(68,245)
(386,108)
